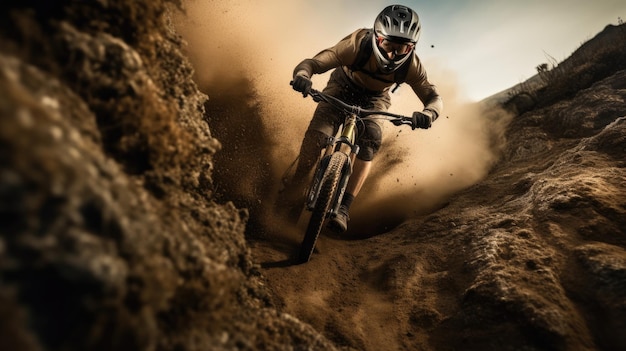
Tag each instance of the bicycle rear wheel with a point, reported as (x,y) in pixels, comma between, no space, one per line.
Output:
(328,188)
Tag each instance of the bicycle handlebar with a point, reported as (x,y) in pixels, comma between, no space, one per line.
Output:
(318,96)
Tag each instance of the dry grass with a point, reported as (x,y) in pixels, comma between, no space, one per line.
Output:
(592,61)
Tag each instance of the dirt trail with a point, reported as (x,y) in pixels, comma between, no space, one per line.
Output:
(356,291)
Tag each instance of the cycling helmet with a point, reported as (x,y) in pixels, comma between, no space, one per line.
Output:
(398,24)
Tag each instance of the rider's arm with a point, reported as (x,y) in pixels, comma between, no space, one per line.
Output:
(432,100)
(426,91)
(343,53)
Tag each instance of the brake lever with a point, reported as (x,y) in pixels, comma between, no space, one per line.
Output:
(403,121)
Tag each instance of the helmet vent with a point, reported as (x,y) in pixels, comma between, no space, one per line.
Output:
(398,22)
(385,21)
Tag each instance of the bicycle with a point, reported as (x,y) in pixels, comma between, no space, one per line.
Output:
(334,167)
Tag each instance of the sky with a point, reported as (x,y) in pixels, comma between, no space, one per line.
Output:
(493,45)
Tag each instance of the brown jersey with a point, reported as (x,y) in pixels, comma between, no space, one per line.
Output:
(369,77)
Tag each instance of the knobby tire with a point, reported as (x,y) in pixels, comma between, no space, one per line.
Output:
(328,188)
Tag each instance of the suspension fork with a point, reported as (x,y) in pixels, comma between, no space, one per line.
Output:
(346,142)
(347,145)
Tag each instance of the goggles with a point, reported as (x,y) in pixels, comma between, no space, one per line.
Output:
(395,48)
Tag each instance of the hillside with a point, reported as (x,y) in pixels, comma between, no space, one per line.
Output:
(123,226)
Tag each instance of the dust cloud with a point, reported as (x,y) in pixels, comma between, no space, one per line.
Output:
(245,52)
(418,170)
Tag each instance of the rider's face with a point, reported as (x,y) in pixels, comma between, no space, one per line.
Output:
(394,49)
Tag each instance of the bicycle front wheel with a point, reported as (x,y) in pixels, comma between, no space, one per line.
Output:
(328,188)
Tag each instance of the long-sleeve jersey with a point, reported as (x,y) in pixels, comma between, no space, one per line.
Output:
(344,54)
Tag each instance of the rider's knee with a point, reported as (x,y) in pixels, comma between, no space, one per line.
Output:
(370,142)
(366,154)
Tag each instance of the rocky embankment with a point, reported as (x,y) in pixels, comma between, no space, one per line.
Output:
(110,238)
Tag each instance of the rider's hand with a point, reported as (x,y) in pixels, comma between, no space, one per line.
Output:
(302,84)
(421,120)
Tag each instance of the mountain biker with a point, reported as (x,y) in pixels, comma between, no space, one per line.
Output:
(391,59)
